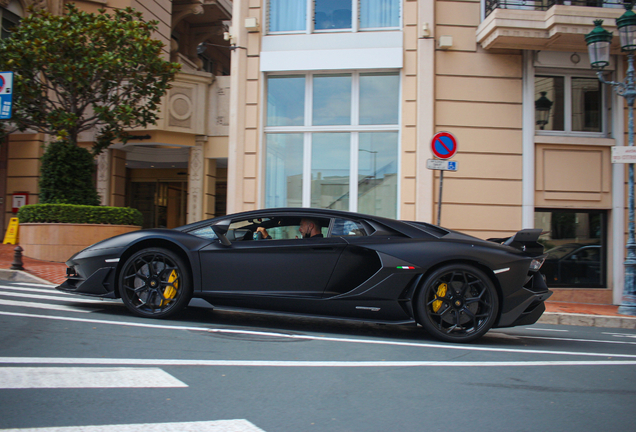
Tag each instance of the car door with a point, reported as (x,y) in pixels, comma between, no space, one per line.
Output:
(289,267)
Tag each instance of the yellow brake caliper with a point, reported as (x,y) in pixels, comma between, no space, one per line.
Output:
(171,290)
(441,292)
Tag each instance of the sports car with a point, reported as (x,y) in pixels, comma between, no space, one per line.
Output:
(322,263)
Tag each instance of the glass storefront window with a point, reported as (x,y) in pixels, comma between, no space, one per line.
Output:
(284,174)
(379,98)
(332,100)
(285,100)
(330,156)
(377,173)
(343,153)
(576,246)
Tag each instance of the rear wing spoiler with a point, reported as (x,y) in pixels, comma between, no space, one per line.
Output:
(525,240)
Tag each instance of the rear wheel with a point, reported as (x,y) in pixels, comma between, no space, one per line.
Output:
(155,282)
(457,303)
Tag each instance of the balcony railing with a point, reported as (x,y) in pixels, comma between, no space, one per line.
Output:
(542,5)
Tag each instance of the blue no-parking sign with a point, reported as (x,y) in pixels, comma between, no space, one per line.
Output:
(444,145)
(6,95)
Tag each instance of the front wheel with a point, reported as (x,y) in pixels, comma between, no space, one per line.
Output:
(155,283)
(457,303)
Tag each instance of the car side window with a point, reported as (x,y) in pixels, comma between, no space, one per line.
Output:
(348,228)
(206,233)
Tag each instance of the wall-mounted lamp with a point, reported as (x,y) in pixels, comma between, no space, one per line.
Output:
(445,42)
(426,32)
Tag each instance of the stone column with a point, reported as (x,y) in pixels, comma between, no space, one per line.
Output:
(103,177)
(196,176)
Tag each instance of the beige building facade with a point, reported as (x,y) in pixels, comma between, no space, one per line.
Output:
(325,103)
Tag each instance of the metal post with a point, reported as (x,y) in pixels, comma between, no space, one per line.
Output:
(439,204)
(628,91)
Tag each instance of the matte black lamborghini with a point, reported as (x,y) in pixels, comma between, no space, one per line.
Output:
(358,267)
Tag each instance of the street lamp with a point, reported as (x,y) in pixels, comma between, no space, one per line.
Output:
(598,45)
(542,108)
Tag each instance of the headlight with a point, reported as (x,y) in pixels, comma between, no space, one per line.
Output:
(536,263)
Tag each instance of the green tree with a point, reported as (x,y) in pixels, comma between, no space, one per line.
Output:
(83,71)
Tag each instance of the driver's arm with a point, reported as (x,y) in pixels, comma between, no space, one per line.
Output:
(264,233)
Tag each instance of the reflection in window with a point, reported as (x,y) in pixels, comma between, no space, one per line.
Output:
(554,91)
(285,100)
(379,98)
(576,103)
(379,13)
(586,104)
(332,14)
(575,243)
(377,173)
(287,15)
(283,179)
(330,170)
(332,100)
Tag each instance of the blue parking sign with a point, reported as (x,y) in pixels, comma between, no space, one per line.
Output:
(6,95)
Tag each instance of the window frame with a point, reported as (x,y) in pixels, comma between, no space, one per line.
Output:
(354,129)
(310,21)
(567,101)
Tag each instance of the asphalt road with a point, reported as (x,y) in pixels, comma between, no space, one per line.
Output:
(69,364)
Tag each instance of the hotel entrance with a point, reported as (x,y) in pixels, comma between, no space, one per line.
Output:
(161,201)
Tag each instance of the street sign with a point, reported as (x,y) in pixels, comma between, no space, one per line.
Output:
(6,95)
(622,154)
(442,165)
(444,145)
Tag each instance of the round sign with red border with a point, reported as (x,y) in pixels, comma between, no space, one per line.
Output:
(444,145)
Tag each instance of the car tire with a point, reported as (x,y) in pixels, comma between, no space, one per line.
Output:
(155,283)
(457,303)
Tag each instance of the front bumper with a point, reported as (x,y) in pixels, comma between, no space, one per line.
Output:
(91,273)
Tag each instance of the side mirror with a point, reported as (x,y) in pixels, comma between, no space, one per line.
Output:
(221,229)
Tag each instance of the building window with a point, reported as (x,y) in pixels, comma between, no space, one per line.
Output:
(9,20)
(576,245)
(291,16)
(332,141)
(577,104)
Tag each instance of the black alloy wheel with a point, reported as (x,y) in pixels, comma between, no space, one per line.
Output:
(457,303)
(155,282)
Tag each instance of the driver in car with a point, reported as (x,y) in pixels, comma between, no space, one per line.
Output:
(308,228)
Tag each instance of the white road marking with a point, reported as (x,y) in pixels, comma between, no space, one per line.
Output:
(45,306)
(41,290)
(547,330)
(622,335)
(578,340)
(293,363)
(86,377)
(322,338)
(50,297)
(239,425)
(36,284)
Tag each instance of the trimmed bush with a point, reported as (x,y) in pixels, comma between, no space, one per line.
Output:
(79,214)
(66,176)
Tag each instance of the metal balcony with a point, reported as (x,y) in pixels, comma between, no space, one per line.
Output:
(542,5)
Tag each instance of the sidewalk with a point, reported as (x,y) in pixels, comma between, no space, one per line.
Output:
(556,312)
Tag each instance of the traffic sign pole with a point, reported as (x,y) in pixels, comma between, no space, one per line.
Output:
(444,147)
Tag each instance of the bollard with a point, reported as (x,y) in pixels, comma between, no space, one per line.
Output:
(17,259)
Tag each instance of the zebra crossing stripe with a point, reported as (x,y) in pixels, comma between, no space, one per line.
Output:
(86,377)
(239,425)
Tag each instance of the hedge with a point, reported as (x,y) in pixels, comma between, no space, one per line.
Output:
(78,214)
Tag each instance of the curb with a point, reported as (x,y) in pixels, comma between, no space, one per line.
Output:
(21,276)
(559,318)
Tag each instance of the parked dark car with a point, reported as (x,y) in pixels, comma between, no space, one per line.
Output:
(573,264)
(360,267)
